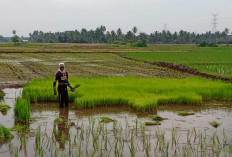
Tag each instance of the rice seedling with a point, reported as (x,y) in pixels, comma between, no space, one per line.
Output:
(183,113)
(215,124)
(4,108)
(152,123)
(58,120)
(1,95)
(5,134)
(22,110)
(106,119)
(17,128)
(140,93)
(158,118)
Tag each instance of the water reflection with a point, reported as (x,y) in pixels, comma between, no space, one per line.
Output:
(61,129)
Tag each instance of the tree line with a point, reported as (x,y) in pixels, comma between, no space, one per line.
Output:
(101,35)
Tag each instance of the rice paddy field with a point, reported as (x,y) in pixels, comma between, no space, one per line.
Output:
(217,60)
(123,107)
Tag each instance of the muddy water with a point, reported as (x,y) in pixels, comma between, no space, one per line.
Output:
(44,114)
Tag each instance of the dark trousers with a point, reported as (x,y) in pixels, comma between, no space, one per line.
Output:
(63,95)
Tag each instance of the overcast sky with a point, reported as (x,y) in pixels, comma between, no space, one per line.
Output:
(25,16)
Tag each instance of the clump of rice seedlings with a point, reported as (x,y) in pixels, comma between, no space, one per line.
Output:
(215,124)
(158,118)
(22,110)
(58,120)
(76,86)
(4,108)
(5,134)
(152,123)
(107,119)
(140,93)
(1,95)
(17,128)
(182,113)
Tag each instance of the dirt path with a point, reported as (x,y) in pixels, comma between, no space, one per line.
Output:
(181,68)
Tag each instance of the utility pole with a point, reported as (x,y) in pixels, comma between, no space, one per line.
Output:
(214,23)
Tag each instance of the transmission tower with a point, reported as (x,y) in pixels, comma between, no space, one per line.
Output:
(214,23)
(165,27)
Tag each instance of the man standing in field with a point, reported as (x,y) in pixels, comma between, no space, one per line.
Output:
(62,78)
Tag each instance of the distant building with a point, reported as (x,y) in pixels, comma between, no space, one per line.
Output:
(24,41)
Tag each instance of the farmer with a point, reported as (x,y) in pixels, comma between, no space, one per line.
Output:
(62,78)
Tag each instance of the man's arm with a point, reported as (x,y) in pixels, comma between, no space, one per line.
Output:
(72,89)
(54,84)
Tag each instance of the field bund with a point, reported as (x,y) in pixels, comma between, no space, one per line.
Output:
(140,93)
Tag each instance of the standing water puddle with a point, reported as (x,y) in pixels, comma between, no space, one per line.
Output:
(83,133)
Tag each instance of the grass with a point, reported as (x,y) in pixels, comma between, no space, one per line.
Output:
(140,93)
(158,118)
(152,123)
(4,108)
(22,110)
(5,134)
(182,113)
(215,124)
(213,60)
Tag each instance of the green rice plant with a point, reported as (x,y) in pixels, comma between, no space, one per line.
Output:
(158,118)
(5,134)
(140,93)
(216,60)
(182,113)
(1,95)
(22,110)
(58,120)
(17,128)
(4,108)
(106,119)
(215,124)
(152,123)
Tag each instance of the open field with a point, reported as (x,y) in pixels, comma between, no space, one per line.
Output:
(119,95)
(217,60)
(23,67)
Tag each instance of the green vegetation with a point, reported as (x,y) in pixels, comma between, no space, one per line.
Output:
(182,113)
(1,95)
(140,93)
(215,124)
(5,134)
(17,128)
(152,123)
(106,119)
(4,108)
(22,110)
(158,118)
(58,120)
(217,60)
(137,43)
(205,44)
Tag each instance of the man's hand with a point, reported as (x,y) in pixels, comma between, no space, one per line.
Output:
(72,89)
(55,91)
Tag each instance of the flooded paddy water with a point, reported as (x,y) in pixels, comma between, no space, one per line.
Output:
(82,132)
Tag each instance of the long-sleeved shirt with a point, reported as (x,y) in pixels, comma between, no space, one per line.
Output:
(62,78)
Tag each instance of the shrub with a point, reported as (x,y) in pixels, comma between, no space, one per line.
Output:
(205,44)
